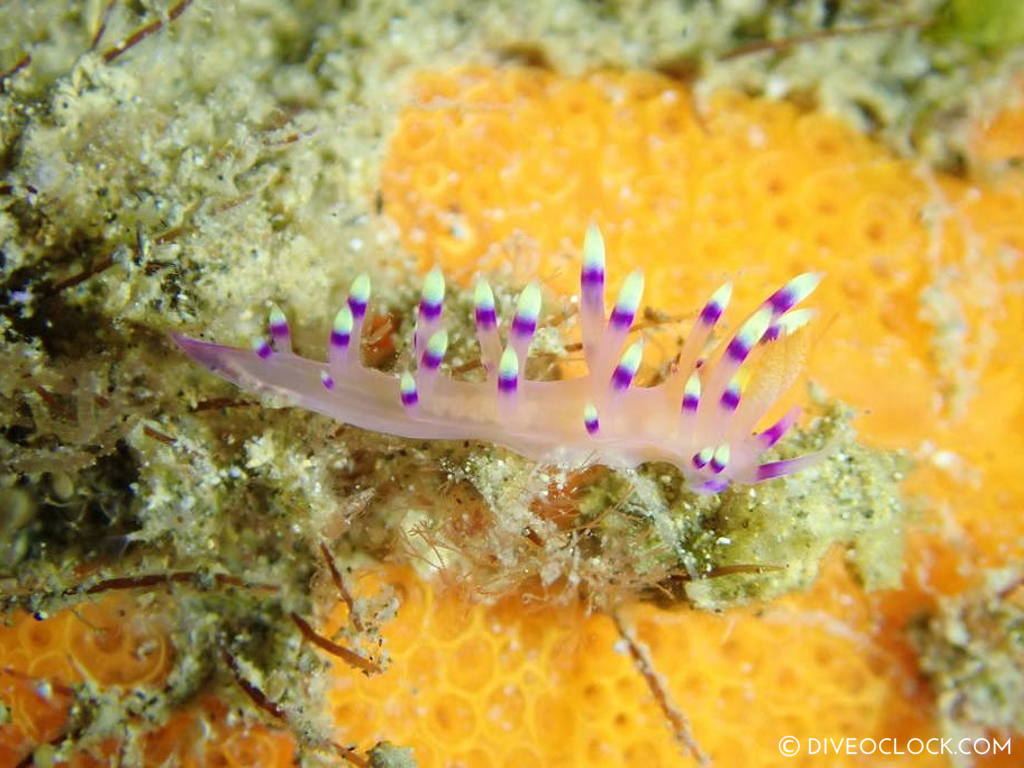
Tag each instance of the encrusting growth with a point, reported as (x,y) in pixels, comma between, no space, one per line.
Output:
(699,419)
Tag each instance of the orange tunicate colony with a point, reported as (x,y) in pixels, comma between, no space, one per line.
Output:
(920,328)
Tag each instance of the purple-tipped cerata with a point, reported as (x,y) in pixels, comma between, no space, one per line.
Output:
(699,418)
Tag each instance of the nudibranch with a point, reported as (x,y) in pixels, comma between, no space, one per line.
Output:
(700,418)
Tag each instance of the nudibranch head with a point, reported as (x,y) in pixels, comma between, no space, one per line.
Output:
(700,418)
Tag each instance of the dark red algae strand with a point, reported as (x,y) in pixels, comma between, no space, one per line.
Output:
(19,65)
(257,696)
(339,584)
(102,26)
(145,581)
(275,710)
(348,656)
(784,44)
(145,31)
(678,722)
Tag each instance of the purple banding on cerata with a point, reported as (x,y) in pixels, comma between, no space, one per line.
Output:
(717,485)
(508,384)
(737,350)
(340,340)
(409,399)
(486,317)
(782,300)
(773,434)
(711,312)
(622,377)
(621,320)
(777,468)
(690,403)
(358,307)
(730,399)
(591,278)
(430,360)
(522,326)
(428,311)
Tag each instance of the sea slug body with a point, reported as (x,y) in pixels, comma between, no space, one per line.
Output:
(700,418)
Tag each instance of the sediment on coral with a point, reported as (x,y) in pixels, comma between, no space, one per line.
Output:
(972,650)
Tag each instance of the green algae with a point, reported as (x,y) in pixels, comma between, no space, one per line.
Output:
(849,499)
(992,24)
(971,647)
(388,755)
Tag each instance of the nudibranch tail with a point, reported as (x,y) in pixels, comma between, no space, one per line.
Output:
(701,418)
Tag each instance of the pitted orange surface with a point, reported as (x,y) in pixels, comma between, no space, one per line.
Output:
(920,328)
(208,734)
(114,642)
(110,643)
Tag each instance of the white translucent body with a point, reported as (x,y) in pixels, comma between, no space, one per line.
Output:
(544,420)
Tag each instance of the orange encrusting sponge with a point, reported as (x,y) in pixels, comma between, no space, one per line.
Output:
(115,643)
(921,328)
(109,642)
